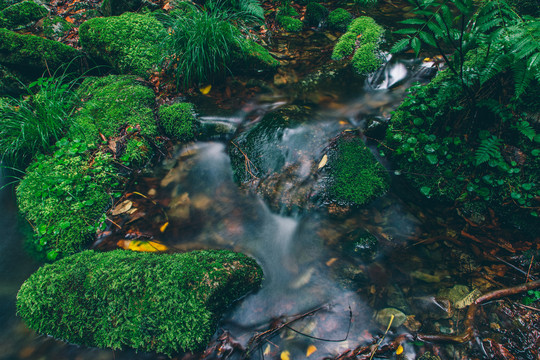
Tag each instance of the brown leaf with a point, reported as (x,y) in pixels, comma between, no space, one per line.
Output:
(121,208)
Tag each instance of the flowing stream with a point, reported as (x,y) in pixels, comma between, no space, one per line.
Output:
(306,256)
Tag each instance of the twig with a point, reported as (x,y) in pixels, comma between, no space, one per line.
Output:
(323,339)
(384,335)
(497,294)
(247,163)
(529,271)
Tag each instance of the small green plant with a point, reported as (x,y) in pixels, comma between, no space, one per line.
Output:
(165,303)
(64,197)
(201,44)
(339,19)
(30,124)
(533,296)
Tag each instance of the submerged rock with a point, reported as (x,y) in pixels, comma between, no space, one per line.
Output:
(360,244)
(384,316)
(130,43)
(165,303)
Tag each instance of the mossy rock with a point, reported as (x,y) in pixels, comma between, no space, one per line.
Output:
(63,196)
(130,43)
(252,58)
(55,27)
(34,55)
(118,7)
(112,103)
(360,244)
(315,14)
(365,55)
(5,3)
(178,121)
(164,303)
(355,177)
(339,19)
(290,24)
(21,14)
(10,84)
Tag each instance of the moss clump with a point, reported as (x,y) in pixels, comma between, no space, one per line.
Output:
(54,27)
(250,56)
(21,14)
(64,196)
(339,19)
(315,14)
(130,43)
(118,7)
(33,54)
(356,177)
(366,56)
(165,303)
(290,24)
(178,121)
(112,103)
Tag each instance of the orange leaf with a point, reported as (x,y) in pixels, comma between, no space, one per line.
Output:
(310,350)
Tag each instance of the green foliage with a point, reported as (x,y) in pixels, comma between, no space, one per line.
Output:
(488,150)
(33,54)
(200,45)
(533,296)
(178,120)
(165,303)
(366,57)
(111,103)
(130,43)
(64,196)
(356,176)
(315,14)
(29,125)
(21,14)
(251,9)
(339,19)
(290,24)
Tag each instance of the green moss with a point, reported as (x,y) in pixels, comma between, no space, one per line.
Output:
(366,56)
(118,7)
(111,103)
(165,303)
(130,43)
(251,56)
(33,54)
(178,120)
(339,19)
(365,3)
(315,14)
(290,24)
(21,14)
(54,27)
(356,176)
(64,196)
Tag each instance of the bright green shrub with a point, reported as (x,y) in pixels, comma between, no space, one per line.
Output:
(366,56)
(64,196)
(130,43)
(356,177)
(33,54)
(315,14)
(21,14)
(178,120)
(165,303)
(339,19)
(29,125)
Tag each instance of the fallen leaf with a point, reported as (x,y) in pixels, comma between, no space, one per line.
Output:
(310,350)
(121,208)
(267,350)
(323,162)
(164,226)
(205,90)
(285,355)
(399,350)
(141,245)
(331,261)
(167,6)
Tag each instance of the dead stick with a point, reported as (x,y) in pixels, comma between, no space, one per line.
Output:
(497,294)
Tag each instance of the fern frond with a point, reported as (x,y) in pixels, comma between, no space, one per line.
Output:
(400,45)
(488,149)
(526,129)
(522,77)
(496,64)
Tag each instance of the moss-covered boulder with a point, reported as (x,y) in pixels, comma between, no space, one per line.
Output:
(34,55)
(113,106)
(178,120)
(339,19)
(55,27)
(354,176)
(21,14)
(130,43)
(364,55)
(315,14)
(149,302)
(63,196)
(251,57)
(285,17)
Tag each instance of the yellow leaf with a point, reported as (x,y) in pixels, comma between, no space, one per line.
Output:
(164,226)
(399,350)
(205,90)
(310,350)
(323,162)
(141,245)
(267,350)
(285,355)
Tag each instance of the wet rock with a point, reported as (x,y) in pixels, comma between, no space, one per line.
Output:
(360,244)
(384,316)
(151,302)
(396,298)
(430,307)
(429,356)
(460,296)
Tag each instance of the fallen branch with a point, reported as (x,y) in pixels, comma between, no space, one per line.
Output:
(497,294)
